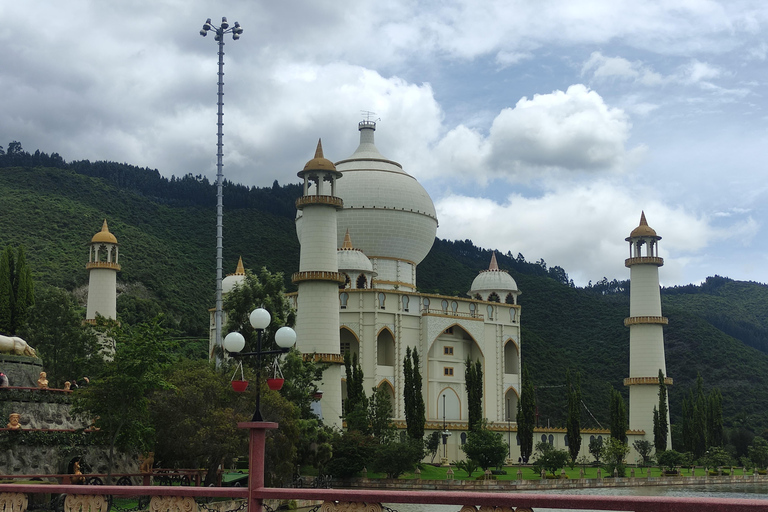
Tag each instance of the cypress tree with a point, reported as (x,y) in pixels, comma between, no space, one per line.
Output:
(356,405)
(23,292)
(618,416)
(526,415)
(419,409)
(573,423)
(715,418)
(473,378)
(6,292)
(699,423)
(660,425)
(408,390)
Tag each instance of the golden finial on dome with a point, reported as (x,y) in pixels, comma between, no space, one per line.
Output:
(493,265)
(104,235)
(643,229)
(240,270)
(319,163)
(347,244)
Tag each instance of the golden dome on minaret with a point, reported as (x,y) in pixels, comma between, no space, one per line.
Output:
(643,230)
(104,236)
(319,163)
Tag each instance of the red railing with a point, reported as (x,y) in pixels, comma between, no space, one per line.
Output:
(356,499)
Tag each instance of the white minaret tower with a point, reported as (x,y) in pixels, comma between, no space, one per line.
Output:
(318,278)
(102,268)
(646,329)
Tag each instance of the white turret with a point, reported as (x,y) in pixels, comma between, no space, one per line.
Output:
(318,278)
(102,269)
(646,329)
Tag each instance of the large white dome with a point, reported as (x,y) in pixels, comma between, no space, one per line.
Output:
(387,212)
(493,281)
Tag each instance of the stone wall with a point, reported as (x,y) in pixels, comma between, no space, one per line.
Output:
(21,370)
(56,460)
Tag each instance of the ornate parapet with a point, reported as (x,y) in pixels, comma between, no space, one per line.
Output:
(102,264)
(334,201)
(13,502)
(631,381)
(640,260)
(636,320)
(86,503)
(171,504)
(318,275)
(324,358)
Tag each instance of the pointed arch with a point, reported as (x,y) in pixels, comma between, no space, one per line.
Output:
(511,397)
(452,404)
(362,282)
(348,341)
(385,347)
(511,357)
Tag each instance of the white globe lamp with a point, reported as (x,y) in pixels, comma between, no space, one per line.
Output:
(234,342)
(285,337)
(260,318)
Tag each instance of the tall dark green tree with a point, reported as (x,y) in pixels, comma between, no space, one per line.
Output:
(573,422)
(618,411)
(660,414)
(526,415)
(356,404)
(16,291)
(473,378)
(415,413)
(715,418)
(699,401)
(380,415)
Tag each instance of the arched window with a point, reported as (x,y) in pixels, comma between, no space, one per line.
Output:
(454,307)
(490,312)
(382,300)
(463,438)
(426,304)
(512,314)
(343,298)
(385,348)
(510,299)
(566,440)
(591,438)
(551,439)
(478,296)
(444,305)
(494,297)
(543,438)
(406,300)
(517,438)
(362,282)
(347,281)
(472,309)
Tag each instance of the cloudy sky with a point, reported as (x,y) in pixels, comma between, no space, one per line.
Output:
(538,127)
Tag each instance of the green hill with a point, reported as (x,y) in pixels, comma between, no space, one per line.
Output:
(166,228)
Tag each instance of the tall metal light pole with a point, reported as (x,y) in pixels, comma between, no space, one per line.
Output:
(220,31)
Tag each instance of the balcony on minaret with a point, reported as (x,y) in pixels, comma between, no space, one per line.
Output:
(319,177)
(643,245)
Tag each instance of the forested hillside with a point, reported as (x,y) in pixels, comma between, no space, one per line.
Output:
(166,230)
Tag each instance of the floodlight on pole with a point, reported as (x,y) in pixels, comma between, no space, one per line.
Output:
(220,31)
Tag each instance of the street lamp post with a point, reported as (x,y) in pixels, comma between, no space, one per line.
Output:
(234,342)
(220,31)
(445,433)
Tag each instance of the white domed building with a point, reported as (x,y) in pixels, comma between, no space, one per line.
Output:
(385,226)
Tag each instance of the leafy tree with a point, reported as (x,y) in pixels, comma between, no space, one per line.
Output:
(473,378)
(549,458)
(314,447)
(613,453)
(573,422)
(660,414)
(469,466)
(596,448)
(618,417)
(117,400)
(67,347)
(380,416)
(396,457)
(351,451)
(356,404)
(643,448)
(717,457)
(758,452)
(669,459)
(433,444)
(486,447)
(415,415)
(301,378)
(526,415)
(715,418)
(16,291)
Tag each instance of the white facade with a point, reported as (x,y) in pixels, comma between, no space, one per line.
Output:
(646,330)
(102,269)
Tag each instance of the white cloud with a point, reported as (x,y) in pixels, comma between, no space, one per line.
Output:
(562,131)
(580,228)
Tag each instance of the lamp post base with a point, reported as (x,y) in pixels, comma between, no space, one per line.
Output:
(258,433)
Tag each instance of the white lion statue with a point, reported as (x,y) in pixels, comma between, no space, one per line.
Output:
(15,345)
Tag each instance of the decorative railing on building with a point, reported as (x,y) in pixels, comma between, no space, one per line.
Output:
(102,264)
(329,200)
(636,320)
(317,275)
(646,380)
(324,358)
(653,260)
(449,313)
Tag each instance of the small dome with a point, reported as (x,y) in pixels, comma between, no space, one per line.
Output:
(104,236)
(493,280)
(319,163)
(232,280)
(643,230)
(351,259)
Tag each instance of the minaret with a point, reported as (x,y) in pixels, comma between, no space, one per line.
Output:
(646,329)
(318,278)
(102,269)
